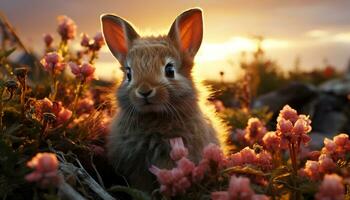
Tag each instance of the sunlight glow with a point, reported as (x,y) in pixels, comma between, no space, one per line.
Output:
(223,51)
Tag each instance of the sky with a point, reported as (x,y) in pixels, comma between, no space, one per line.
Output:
(313,30)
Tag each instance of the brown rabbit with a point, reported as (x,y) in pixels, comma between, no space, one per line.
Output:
(158,98)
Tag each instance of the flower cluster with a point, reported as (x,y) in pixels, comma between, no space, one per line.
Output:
(315,169)
(48,39)
(53,63)
(253,133)
(293,128)
(66,28)
(337,147)
(46,106)
(84,72)
(272,142)
(93,45)
(248,156)
(331,188)
(239,188)
(45,172)
(177,180)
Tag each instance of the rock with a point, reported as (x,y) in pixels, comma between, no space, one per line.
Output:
(340,86)
(295,94)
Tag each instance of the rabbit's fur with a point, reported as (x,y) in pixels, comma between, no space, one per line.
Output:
(176,107)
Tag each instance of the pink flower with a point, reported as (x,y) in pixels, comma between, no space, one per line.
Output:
(48,39)
(239,188)
(272,142)
(84,72)
(85,40)
(248,156)
(326,163)
(66,28)
(45,172)
(235,159)
(341,139)
(222,195)
(45,105)
(264,160)
(331,188)
(164,176)
(312,169)
(178,149)
(214,155)
(199,171)
(53,63)
(288,113)
(98,42)
(329,145)
(284,128)
(185,165)
(63,115)
(255,130)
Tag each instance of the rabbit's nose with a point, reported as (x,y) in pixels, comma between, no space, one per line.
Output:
(144,92)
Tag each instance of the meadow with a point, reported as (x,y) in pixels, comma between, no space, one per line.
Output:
(55,115)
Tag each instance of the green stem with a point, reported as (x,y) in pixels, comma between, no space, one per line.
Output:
(93,57)
(76,98)
(54,87)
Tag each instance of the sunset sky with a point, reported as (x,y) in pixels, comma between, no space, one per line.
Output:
(313,30)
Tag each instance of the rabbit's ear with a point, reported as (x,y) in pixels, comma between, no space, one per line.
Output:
(118,34)
(187,31)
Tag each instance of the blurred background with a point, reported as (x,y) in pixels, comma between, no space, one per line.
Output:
(310,34)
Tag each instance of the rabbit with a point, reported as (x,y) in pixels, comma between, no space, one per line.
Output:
(158,98)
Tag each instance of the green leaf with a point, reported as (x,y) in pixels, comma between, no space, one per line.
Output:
(134,193)
(244,170)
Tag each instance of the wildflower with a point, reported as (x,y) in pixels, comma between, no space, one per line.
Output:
(199,171)
(53,63)
(326,163)
(337,147)
(288,113)
(272,142)
(98,42)
(264,159)
(84,72)
(341,140)
(331,188)
(45,172)
(66,28)
(185,165)
(239,188)
(255,130)
(164,176)
(311,170)
(178,149)
(172,181)
(214,155)
(46,106)
(85,40)
(48,39)
(248,155)
(293,129)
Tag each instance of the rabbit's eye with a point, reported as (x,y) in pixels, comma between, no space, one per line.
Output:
(169,70)
(128,73)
